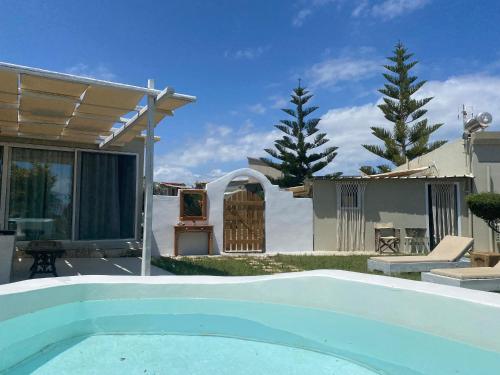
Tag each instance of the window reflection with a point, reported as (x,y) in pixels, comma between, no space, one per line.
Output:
(41,193)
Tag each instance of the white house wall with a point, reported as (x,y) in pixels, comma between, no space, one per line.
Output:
(288,220)
(165,216)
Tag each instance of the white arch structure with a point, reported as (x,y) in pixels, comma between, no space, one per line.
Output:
(288,220)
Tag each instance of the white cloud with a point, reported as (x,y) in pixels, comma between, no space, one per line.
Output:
(360,8)
(257,108)
(246,53)
(98,72)
(330,72)
(388,9)
(278,102)
(382,9)
(298,19)
(307,8)
(349,127)
(219,145)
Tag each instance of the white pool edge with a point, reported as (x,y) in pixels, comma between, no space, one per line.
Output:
(458,314)
(485,298)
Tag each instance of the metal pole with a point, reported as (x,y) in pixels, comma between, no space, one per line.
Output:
(148,185)
(488,189)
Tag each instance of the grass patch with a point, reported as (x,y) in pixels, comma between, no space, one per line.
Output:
(260,265)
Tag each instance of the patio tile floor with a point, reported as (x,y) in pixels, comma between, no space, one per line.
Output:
(123,266)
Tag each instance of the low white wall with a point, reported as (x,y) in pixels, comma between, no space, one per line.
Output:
(165,216)
(288,220)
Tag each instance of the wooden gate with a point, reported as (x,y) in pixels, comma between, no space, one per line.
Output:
(243,222)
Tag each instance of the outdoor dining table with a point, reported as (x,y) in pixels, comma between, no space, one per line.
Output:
(44,255)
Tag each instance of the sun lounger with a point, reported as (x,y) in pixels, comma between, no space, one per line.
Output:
(447,254)
(480,278)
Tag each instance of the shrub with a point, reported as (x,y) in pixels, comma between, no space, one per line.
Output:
(487,207)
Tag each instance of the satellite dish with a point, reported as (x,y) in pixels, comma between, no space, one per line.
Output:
(484,118)
(479,122)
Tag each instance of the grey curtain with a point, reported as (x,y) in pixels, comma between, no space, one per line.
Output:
(41,193)
(107,196)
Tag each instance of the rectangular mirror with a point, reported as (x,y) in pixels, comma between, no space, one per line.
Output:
(193,204)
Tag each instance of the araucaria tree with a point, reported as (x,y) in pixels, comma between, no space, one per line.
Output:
(409,137)
(297,151)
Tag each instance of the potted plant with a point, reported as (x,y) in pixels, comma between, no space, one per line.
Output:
(487,207)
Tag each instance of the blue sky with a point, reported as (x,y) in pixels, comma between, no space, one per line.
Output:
(242,58)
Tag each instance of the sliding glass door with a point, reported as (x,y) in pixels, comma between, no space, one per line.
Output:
(107,198)
(41,193)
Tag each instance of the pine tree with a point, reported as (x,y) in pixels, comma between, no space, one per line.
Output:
(411,131)
(367,169)
(295,148)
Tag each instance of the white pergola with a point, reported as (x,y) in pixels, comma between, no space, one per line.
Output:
(59,107)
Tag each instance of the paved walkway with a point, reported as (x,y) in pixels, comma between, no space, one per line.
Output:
(86,266)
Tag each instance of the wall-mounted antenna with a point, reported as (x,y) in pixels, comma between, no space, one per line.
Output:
(467,113)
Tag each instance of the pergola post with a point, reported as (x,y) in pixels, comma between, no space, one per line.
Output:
(148,185)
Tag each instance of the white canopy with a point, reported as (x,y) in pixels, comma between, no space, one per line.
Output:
(36,103)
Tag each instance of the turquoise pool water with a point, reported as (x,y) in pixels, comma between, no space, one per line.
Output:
(176,355)
(208,336)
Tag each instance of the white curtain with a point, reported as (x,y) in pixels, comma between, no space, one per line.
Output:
(350,216)
(444,213)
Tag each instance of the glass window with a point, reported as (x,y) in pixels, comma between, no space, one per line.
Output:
(107,196)
(41,193)
(349,196)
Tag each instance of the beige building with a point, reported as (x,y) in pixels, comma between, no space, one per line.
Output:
(426,196)
(266,170)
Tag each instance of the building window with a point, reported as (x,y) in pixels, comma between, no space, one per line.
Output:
(107,196)
(349,196)
(41,194)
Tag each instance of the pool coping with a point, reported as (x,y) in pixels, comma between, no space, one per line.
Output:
(475,296)
(435,309)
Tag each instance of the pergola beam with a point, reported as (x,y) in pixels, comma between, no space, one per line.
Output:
(131,123)
(163,95)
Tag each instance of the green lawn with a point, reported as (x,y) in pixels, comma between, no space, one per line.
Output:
(259,265)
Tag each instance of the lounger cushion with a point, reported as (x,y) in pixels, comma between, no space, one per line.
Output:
(451,248)
(469,273)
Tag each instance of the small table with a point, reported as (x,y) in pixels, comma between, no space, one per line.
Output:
(192,228)
(415,239)
(484,259)
(44,255)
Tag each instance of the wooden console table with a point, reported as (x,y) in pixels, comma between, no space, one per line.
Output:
(192,228)
(484,259)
